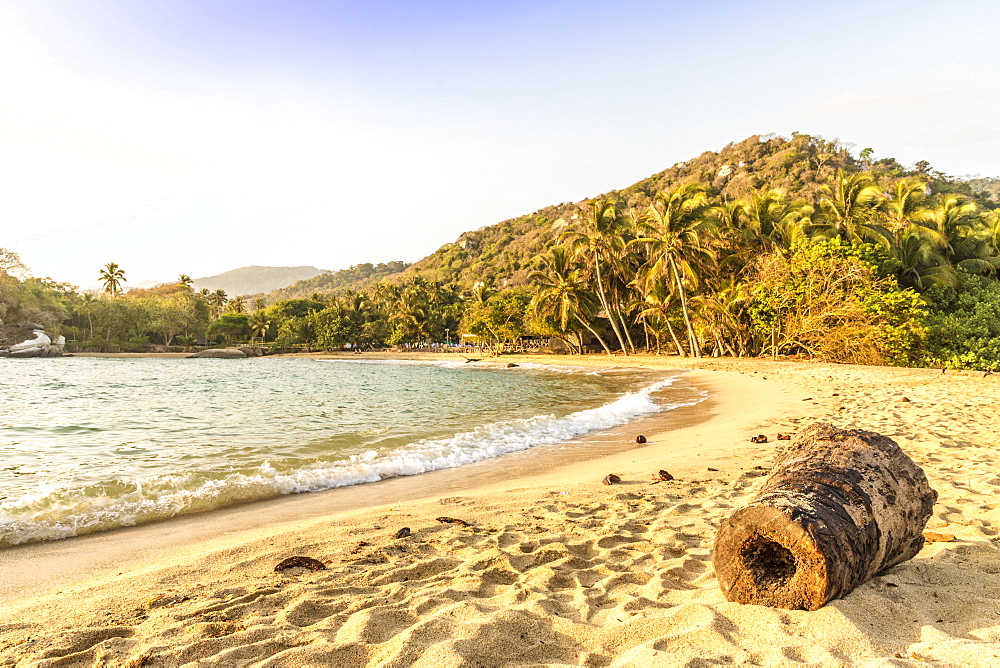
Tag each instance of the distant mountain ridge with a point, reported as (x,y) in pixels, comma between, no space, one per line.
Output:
(255,279)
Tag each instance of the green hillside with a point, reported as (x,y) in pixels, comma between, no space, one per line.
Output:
(771,246)
(504,254)
(987,188)
(356,277)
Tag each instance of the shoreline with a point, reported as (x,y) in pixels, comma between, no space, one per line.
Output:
(555,568)
(56,562)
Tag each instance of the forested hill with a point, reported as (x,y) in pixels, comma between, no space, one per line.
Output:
(504,254)
(356,277)
(988,186)
(771,246)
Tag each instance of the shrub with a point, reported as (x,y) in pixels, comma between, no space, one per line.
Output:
(833,300)
(964,325)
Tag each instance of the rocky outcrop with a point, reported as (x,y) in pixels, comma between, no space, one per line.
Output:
(220,353)
(40,345)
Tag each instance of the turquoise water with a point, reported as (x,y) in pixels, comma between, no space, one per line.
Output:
(88,444)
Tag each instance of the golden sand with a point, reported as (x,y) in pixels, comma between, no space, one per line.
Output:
(555,568)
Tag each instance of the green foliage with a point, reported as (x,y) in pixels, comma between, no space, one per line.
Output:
(417,311)
(356,277)
(828,300)
(230,328)
(799,167)
(293,308)
(502,318)
(964,325)
(985,188)
(299,329)
(334,329)
(771,245)
(156,314)
(291,319)
(41,300)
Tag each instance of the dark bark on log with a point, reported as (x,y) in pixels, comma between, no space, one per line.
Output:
(839,507)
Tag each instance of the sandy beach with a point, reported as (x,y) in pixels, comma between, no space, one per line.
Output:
(554,568)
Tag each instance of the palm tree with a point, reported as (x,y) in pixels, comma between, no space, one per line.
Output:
(87,300)
(237,304)
(725,314)
(184,280)
(965,236)
(673,230)
(850,208)
(112,276)
(771,221)
(951,220)
(658,301)
(410,313)
(218,300)
(601,241)
(186,340)
(384,295)
(259,325)
(922,261)
(357,309)
(906,203)
(301,328)
(562,294)
(624,294)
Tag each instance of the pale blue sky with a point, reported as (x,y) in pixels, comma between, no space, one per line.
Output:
(195,137)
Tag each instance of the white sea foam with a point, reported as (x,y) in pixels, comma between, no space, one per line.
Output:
(51,513)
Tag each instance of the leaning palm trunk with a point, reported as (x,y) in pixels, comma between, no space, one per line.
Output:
(594,332)
(692,339)
(616,317)
(673,335)
(628,334)
(604,304)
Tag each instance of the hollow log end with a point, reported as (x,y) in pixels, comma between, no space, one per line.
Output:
(763,557)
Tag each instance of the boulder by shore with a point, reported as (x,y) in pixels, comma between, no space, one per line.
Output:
(220,353)
(38,345)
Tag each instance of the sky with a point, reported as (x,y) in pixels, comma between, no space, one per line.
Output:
(198,136)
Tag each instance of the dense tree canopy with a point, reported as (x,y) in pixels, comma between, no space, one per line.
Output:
(772,246)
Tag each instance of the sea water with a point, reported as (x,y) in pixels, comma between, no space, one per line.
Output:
(89,444)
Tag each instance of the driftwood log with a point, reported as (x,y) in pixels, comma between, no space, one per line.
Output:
(840,506)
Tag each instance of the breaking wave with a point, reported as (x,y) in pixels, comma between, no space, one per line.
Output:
(52,512)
